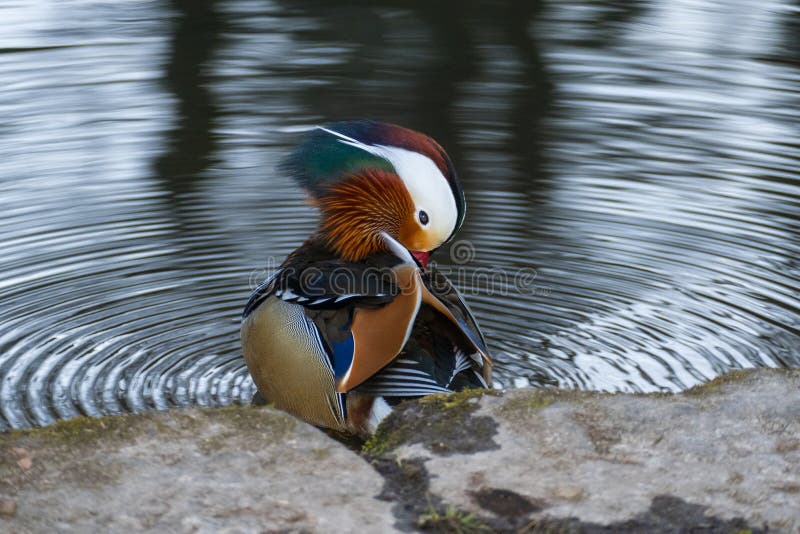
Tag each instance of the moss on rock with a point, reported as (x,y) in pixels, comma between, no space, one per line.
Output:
(443,423)
(78,431)
(526,402)
(732,377)
(451,520)
(69,446)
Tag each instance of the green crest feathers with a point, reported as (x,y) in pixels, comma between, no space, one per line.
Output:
(323,158)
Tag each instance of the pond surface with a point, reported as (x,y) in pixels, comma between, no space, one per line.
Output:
(632,174)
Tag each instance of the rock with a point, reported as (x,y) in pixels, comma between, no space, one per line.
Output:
(231,470)
(25,463)
(8,507)
(723,456)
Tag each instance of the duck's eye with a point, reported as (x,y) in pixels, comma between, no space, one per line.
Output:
(423,217)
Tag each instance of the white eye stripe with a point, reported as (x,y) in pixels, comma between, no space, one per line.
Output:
(427,185)
(352,141)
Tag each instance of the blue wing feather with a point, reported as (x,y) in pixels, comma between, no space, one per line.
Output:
(342,355)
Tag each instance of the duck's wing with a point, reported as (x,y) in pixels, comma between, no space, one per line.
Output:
(440,287)
(327,284)
(363,312)
(445,352)
(309,341)
(432,361)
(442,295)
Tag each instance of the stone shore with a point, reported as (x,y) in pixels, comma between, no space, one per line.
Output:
(723,457)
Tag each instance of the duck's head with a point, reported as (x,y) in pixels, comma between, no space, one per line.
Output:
(370,178)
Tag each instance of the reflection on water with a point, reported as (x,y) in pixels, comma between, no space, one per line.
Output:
(641,156)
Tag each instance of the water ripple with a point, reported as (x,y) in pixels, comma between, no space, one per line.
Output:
(631,171)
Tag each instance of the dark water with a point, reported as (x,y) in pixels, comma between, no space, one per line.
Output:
(632,173)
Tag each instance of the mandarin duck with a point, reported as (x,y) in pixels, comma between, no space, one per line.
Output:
(355,320)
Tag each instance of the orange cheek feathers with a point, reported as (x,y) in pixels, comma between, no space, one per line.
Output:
(358,208)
